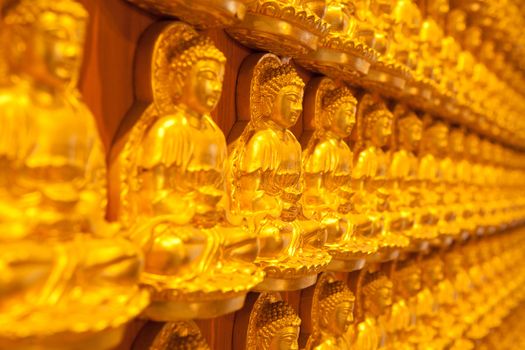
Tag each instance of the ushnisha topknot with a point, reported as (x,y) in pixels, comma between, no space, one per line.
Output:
(27,12)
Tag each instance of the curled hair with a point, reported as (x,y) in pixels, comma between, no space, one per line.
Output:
(334,293)
(331,102)
(181,56)
(273,317)
(373,282)
(27,12)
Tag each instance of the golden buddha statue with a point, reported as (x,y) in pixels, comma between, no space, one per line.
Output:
(462,204)
(168,181)
(265,176)
(180,335)
(284,27)
(407,20)
(406,189)
(386,74)
(407,45)
(332,314)
(474,184)
(201,13)
(68,280)
(478,293)
(433,150)
(339,53)
(273,325)
(375,300)
(412,302)
(447,49)
(429,64)
(465,64)
(453,307)
(370,176)
(448,225)
(441,320)
(327,165)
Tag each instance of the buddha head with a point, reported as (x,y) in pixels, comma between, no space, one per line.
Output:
(277,327)
(378,126)
(194,70)
(472,38)
(281,91)
(408,15)
(376,293)
(487,150)
(408,279)
(382,7)
(362,9)
(473,145)
(499,154)
(457,141)
(436,138)
(433,271)
(453,264)
(438,8)
(410,129)
(180,335)
(46,40)
(338,14)
(339,107)
(336,308)
(456,23)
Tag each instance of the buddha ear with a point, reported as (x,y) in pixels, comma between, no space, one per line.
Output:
(324,319)
(14,41)
(266,105)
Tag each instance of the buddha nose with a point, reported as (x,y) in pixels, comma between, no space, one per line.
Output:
(216,87)
(70,51)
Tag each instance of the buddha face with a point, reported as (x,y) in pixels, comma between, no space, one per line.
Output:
(435,272)
(473,145)
(343,120)
(439,7)
(438,137)
(54,49)
(285,339)
(341,318)
(473,37)
(287,106)
(457,142)
(381,130)
(411,133)
(202,89)
(487,150)
(454,264)
(411,282)
(456,22)
(380,301)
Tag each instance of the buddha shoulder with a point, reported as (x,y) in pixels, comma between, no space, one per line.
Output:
(326,155)
(14,97)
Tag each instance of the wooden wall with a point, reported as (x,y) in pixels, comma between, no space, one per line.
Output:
(107,88)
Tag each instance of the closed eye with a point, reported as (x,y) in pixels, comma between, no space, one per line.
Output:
(207,74)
